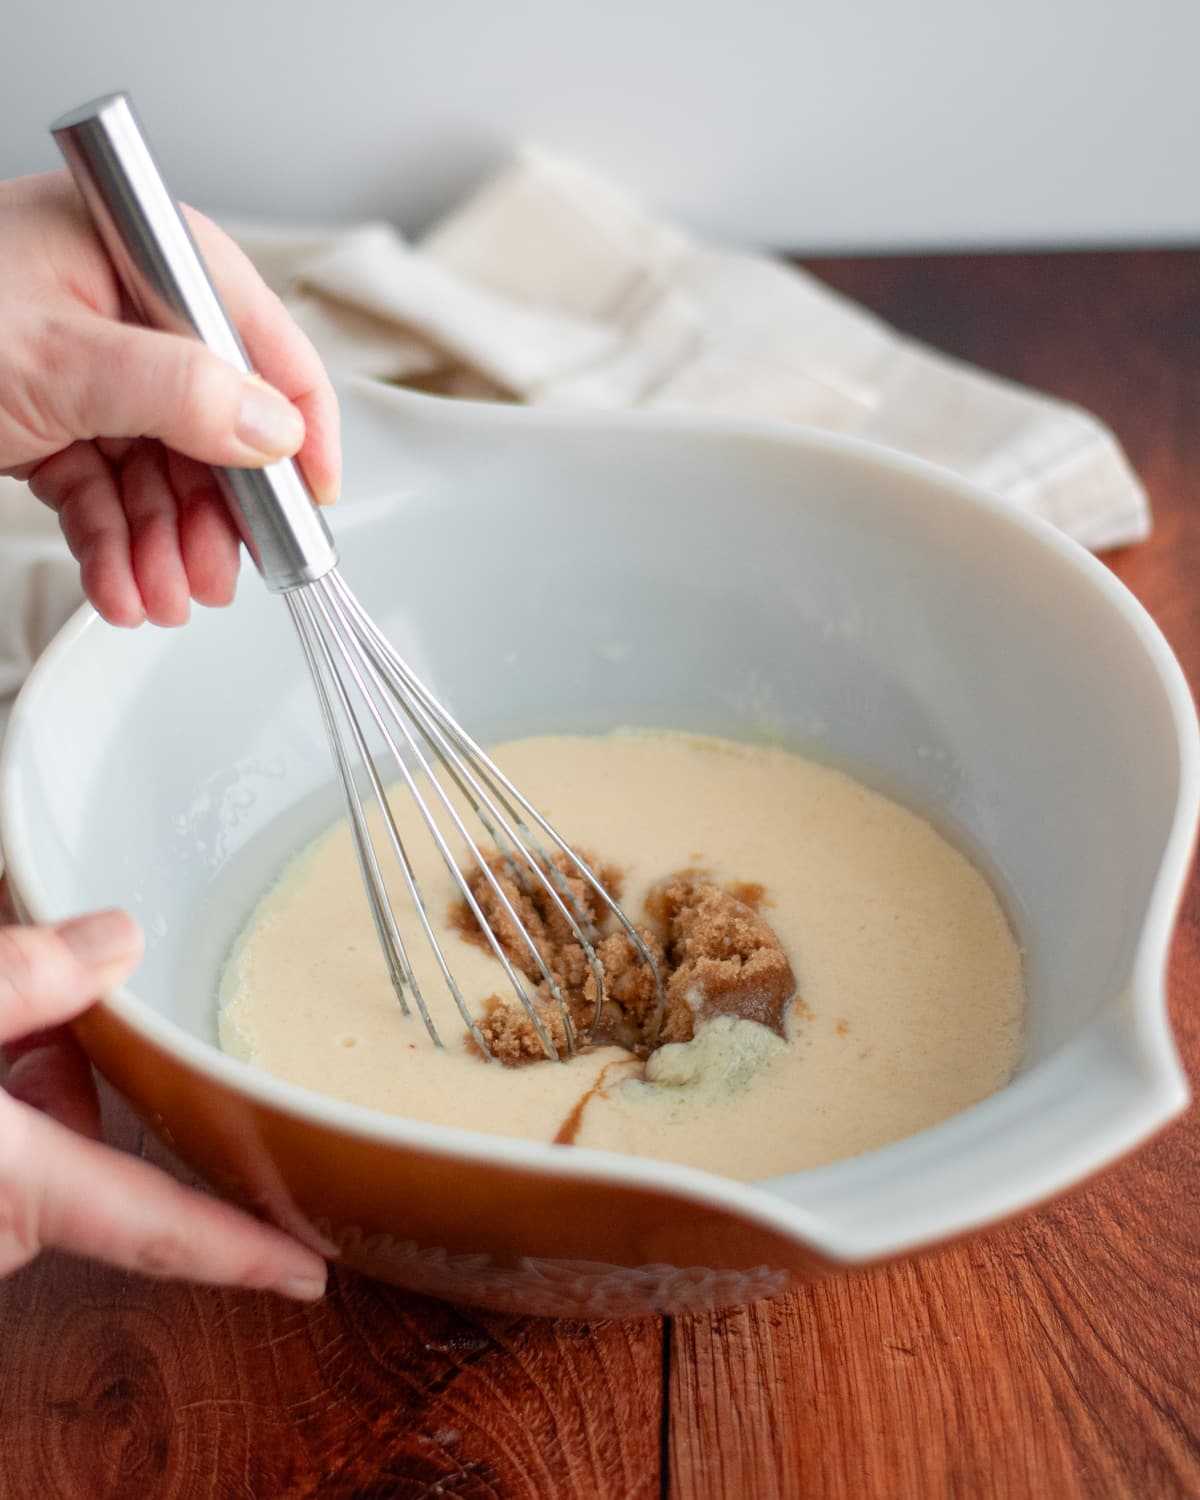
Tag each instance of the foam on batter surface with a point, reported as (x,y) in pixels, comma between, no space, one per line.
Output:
(838,975)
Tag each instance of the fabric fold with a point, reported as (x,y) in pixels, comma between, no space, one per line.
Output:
(550,286)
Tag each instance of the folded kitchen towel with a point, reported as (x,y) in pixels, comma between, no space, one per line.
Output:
(550,286)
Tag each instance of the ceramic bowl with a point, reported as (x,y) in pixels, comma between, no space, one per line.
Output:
(857,605)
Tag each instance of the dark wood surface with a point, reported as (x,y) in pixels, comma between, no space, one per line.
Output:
(1057,1357)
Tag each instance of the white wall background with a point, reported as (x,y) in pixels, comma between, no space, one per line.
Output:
(848,124)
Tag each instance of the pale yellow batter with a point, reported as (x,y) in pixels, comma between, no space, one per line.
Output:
(910,997)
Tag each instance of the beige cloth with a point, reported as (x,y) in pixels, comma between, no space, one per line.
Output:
(550,286)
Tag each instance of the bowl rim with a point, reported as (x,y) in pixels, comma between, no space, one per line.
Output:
(1164,1092)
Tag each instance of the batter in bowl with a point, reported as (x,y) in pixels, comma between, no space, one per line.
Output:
(904,1006)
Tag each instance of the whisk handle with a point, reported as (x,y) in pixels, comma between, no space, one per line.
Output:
(162,271)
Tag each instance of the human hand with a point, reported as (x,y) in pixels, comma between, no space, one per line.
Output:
(114,425)
(58,1185)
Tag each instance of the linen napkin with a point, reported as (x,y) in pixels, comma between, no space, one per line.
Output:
(550,286)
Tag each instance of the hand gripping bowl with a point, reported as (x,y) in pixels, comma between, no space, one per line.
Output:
(857,605)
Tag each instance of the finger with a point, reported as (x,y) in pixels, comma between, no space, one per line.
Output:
(49,974)
(280,352)
(154,543)
(114,449)
(81,487)
(77,1195)
(208,539)
(17,1047)
(50,1072)
(123,381)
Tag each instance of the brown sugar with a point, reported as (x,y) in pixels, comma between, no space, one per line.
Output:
(539,914)
(723,958)
(716,955)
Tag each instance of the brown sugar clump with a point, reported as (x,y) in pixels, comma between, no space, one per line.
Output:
(506,1026)
(512,1037)
(723,958)
(538,914)
(630,1015)
(716,956)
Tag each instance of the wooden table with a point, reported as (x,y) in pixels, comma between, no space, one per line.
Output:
(1055,1358)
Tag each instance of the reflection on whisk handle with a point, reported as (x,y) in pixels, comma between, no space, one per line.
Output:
(161,269)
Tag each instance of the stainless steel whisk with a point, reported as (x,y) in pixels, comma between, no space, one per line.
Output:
(360,680)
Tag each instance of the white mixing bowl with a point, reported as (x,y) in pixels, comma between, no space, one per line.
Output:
(548,571)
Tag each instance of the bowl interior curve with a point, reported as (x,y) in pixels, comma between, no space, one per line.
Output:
(575,575)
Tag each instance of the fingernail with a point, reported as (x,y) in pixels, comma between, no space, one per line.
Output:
(268,422)
(103,937)
(301,1288)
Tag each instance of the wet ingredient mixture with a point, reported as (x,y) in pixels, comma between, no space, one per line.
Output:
(838,975)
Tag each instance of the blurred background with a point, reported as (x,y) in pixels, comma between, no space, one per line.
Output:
(853,126)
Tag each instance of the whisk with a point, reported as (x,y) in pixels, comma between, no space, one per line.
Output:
(360,680)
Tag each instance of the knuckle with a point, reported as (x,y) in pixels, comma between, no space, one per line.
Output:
(27,973)
(194,398)
(72,372)
(77,369)
(57,348)
(258,1269)
(71,498)
(160,385)
(166,1252)
(187,385)
(264,311)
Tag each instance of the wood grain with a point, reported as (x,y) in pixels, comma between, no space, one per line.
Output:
(1058,1357)
(113,1386)
(147,1391)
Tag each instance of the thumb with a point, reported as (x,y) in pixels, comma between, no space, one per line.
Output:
(49,974)
(126,382)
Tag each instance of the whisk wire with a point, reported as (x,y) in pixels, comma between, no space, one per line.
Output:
(346,651)
(508,842)
(487,772)
(488,784)
(315,592)
(388,933)
(327,606)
